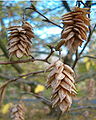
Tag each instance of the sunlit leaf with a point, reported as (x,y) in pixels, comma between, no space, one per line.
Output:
(39,88)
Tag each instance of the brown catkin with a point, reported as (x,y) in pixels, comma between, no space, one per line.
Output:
(76,25)
(17,112)
(20,40)
(61,81)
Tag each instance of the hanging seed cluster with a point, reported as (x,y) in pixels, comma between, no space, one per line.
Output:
(20,40)
(61,81)
(17,112)
(75,27)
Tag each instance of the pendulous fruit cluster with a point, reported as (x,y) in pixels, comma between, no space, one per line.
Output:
(76,25)
(17,112)
(61,81)
(20,40)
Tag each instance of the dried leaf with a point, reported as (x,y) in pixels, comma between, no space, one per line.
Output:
(63,106)
(58,64)
(55,101)
(68,22)
(68,99)
(62,84)
(19,54)
(66,67)
(69,76)
(68,27)
(67,18)
(59,76)
(67,80)
(62,94)
(66,86)
(12,49)
(30,34)
(66,32)
(55,84)
(83,25)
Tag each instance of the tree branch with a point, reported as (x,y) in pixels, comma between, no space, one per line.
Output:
(76,59)
(23,61)
(93,57)
(65,4)
(41,98)
(45,18)
(3,87)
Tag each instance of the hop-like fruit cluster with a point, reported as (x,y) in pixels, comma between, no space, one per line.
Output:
(61,81)
(17,112)
(20,40)
(75,27)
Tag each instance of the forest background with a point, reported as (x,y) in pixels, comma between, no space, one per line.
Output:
(32,76)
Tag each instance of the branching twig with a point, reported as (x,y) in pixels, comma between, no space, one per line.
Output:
(42,98)
(45,18)
(51,52)
(3,87)
(23,61)
(93,57)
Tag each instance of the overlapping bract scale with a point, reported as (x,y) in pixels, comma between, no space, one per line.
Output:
(61,80)
(17,112)
(75,27)
(20,40)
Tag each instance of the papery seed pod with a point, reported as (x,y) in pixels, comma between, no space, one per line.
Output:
(61,81)
(20,40)
(17,112)
(75,27)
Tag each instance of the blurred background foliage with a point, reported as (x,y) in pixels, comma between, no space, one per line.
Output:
(11,13)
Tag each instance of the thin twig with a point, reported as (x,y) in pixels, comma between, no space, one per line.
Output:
(49,55)
(76,59)
(23,61)
(3,87)
(42,98)
(51,52)
(19,77)
(45,18)
(93,57)
(88,40)
(89,37)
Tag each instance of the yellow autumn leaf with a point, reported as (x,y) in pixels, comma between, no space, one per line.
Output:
(86,59)
(5,108)
(24,76)
(93,63)
(88,65)
(39,88)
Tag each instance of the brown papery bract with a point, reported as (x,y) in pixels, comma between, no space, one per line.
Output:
(75,27)
(20,40)
(61,80)
(17,112)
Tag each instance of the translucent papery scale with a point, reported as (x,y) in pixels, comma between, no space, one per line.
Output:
(17,112)
(75,28)
(61,81)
